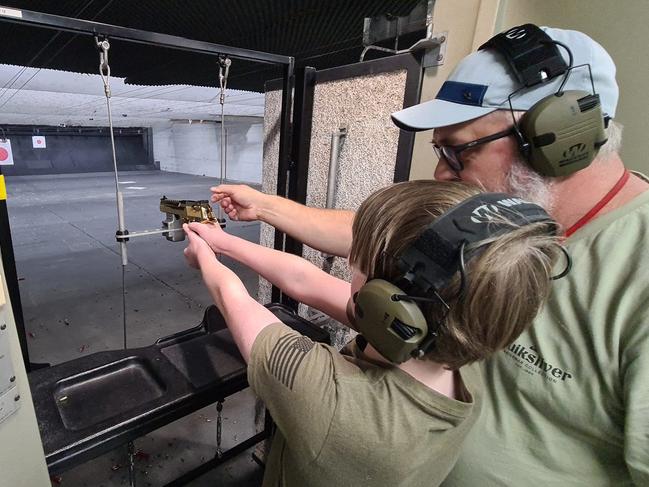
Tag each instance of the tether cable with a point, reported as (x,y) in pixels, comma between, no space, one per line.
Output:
(224,72)
(104,72)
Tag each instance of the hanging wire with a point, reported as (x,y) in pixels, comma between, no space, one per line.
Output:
(130,448)
(104,72)
(224,72)
(124,303)
(219,427)
(20,88)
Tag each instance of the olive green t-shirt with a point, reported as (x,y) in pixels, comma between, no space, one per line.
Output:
(568,403)
(342,421)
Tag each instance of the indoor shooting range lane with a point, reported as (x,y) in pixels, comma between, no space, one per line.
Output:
(67,258)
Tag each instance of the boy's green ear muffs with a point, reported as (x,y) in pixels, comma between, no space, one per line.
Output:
(388,314)
(394,327)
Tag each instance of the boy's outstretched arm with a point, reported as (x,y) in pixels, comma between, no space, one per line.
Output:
(245,316)
(294,275)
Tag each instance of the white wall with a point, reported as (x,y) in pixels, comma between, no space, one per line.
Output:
(195,148)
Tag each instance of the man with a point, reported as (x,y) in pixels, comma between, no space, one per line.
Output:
(568,402)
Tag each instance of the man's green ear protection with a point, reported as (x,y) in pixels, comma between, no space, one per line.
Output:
(562,133)
(389,314)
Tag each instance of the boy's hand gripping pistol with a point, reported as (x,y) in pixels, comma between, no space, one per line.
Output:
(184,211)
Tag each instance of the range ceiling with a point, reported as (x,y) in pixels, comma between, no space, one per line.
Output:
(318,33)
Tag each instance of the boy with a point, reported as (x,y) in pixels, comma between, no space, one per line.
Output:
(459,273)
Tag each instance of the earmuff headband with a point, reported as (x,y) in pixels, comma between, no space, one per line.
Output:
(531,54)
(432,260)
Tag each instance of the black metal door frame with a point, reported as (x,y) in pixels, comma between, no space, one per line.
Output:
(297,171)
(292,178)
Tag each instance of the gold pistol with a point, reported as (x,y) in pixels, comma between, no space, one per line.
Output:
(185,211)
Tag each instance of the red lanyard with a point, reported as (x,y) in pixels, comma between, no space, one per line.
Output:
(601,204)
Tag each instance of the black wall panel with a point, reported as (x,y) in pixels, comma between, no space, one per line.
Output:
(77,151)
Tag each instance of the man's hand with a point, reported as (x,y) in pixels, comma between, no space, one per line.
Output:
(239,201)
(213,234)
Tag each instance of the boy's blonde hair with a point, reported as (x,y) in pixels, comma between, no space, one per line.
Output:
(507,282)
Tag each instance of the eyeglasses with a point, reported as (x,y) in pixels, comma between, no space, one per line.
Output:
(451,153)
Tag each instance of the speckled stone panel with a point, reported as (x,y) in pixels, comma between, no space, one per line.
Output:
(367,159)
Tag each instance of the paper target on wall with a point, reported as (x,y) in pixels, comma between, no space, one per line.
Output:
(38,142)
(6,156)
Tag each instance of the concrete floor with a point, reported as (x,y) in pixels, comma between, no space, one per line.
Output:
(63,229)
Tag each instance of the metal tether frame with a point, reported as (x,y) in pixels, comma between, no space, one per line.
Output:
(102,34)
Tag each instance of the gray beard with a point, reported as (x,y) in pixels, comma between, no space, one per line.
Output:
(524,182)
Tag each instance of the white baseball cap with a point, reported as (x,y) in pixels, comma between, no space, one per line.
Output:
(482,82)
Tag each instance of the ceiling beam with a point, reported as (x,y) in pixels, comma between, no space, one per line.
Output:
(79,26)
